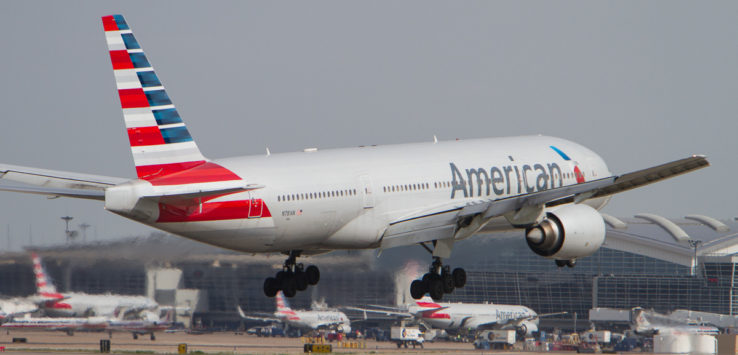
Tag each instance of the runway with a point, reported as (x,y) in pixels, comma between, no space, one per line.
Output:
(45,342)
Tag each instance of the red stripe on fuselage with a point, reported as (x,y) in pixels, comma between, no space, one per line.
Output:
(436,315)
(139,136)
(428,304)
(203,172)
(109,23)
(132,98)
(150,172)
(210,211)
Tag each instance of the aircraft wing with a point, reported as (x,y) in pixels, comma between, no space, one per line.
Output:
(442,222)
(386,312)
(56,183)
(258,317)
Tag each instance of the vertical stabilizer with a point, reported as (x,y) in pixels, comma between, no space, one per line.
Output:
(283,306)
(160,142)
(44,286)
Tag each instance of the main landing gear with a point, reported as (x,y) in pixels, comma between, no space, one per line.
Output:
(293,277)
(439,280)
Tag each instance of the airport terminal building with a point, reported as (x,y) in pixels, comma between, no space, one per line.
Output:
(647,261)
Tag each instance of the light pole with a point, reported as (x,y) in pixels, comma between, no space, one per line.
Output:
(67,219)
(84,227)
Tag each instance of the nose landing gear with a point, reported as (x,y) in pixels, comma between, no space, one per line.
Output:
(293,277)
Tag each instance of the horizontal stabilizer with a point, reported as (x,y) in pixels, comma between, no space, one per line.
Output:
(57,178)
(173,193)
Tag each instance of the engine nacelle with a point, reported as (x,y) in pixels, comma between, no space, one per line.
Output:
(526,329)
(567,233)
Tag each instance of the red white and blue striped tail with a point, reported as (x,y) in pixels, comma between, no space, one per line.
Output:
(160,142)
(44,286)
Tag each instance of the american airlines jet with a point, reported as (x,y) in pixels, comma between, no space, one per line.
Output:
(307,320)
(429,194)
(75,304)
(466,316)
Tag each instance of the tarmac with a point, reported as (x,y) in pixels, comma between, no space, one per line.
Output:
(46,342)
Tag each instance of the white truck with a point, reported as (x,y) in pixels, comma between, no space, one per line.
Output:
(495,339)
(404,336)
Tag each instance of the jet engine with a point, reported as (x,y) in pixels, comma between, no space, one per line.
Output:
(567,233)
(526,329)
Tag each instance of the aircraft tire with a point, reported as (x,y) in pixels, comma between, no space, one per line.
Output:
(301,281)
(561,263)
(289,287)
(571,262)
(313,275)
(459,276)
(448,283)
(271,286)
(435,288)
(418,288)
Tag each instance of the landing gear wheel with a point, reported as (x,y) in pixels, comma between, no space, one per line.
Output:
(561,263)
(289,286)
(418,288)
(313,274)
(459,276)
(571,262)
(301,282)
(153,337)
(435,288)
(448,283)
(271,287)
(135,336)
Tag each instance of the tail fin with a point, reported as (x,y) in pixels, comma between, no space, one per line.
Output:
(282,304)
(160,142)
(44,286)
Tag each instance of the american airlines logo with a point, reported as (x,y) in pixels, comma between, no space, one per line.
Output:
(510,314)
(504,180)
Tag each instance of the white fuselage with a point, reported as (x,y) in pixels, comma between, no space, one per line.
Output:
(455,316)
(312,320)
(105,305)
(345,198)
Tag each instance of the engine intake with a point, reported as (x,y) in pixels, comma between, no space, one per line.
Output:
(567,233)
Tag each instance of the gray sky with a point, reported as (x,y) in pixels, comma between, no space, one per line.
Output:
(640,83)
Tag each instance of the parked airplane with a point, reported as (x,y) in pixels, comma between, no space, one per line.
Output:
(314,201)
(466,316)
(74,304)
(67,324)
(149,324)
(306,320)
(650,323)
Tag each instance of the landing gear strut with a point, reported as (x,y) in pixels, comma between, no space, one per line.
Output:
(439,280)
(293,277)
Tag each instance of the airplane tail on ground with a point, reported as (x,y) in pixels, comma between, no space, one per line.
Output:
(44,286)
(163,149)
(282,305)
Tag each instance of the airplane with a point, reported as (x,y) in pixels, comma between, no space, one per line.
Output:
(466,316)
(649,323)
(75,304)
(66,324)
(148,324)
(370,197)
(305,320)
